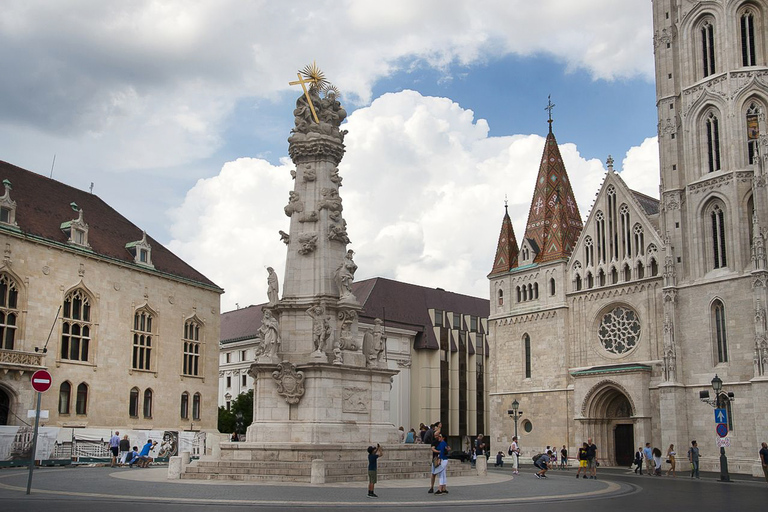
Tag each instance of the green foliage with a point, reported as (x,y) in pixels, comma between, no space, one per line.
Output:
(243,404)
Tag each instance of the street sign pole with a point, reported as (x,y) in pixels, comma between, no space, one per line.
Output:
(34,443)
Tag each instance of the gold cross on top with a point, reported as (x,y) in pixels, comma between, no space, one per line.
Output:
(312,75)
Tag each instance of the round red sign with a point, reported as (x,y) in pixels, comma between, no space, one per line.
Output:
(41,381)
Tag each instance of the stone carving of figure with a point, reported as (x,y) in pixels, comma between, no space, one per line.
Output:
(310,174)
(331,201)
(321,327)
(330,113)
(374,344)
(345,275)
(273,286)
(294,204)
(335,178)
(307,242)
(339,232)
(270,334)
(285,237)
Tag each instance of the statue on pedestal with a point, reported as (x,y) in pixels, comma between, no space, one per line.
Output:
(273,286)
(269,332)
(344,276)
(374,344)
(321,328)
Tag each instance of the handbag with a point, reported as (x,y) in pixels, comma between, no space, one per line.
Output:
(436,462)
(669,461)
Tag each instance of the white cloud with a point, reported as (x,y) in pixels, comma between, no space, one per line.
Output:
(640,168)
(423,193)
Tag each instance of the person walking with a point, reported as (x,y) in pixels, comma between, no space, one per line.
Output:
(657,462)
(764,459)
(514,451)
(436,437)
(564,458)
(592,458)
(373,459)
(125,447)
(582,460)
(114,447)
(441,451)
(693,458)
(671,459)
(639,460)
(648,456)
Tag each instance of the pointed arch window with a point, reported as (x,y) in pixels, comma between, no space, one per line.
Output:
(614,275)
(142,340)
(501,297)
(708,48)
(9,311)
(717,219)
(654,267)
(753,133)
(196,404)
(627,273)
(147,403)
(590,280)
(712,129)
(552,286)
(65,395)
(535,290)
(600,278)
(589,252)
(639,240)
(719,327)
(748,54)
(626,231)
(613,235)
(527,345)
(133,403)
(185,405)
(76,326)
(81,405)
(519,295)
(640,270)
(191,348)
(600,226)
(578,282)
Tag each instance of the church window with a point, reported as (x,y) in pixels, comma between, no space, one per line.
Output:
(627,273)
(147,403)
(76,326)
(81,403)
(133,403)
(65,395)
(600,225)
(712,127)
(654,267)
(718,324)
(525,293)
(527,343)
(748,39)
(640,270)
(717,218)
(501,297)
(9,311)
(590,280)
(729,413)
(708,48)
(526,253)
(196,403)
(185,405)
(578,282)
(535,290)
(613,236)
(552,286)
(191,348)
(753,133)
(626,231)
(519,296)
(527,426)
(614,275)
(142,340)
(619,330)
(639,240)
(589,253)
(600,278)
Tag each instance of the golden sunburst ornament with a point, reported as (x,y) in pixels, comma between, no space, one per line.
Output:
(313,74)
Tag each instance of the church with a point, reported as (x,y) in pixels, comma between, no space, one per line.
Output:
(615,327)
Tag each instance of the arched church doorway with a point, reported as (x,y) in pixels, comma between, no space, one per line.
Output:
(5,407)
(609,422)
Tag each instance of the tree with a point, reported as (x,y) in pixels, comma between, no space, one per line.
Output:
(228,419)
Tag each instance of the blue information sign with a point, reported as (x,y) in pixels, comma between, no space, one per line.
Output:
(721,416)
(722,429)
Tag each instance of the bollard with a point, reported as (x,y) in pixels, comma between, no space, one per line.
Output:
(482,465)
(317,476)
(174,468)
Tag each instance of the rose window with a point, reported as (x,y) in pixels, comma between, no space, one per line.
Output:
(619,330)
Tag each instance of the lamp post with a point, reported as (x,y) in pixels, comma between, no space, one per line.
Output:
(720,401)
(515,413)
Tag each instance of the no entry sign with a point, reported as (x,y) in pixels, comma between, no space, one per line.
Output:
(41,381)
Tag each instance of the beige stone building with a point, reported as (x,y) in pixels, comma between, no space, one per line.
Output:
(133,329)
(612,330)
(435,338)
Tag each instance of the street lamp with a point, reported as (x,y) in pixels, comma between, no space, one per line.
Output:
(720,401)
(515,413)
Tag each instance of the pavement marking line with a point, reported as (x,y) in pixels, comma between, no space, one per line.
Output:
(610,488)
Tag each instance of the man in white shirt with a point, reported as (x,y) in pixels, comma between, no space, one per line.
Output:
(514,451)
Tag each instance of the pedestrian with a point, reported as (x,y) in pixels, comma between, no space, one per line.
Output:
(564,458)
(543,464)
(764,459)
(582,460)
(410,437)
(144,459)
(114,447)
(131,456)
(125,447)
(592,458)
(440,470)
(693,458)
(433,446)
(499,460)
(657,461)
(514,451)
(639,460)
(648,456)
(671,459)
(373,459)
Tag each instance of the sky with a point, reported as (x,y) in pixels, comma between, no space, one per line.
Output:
(178,113)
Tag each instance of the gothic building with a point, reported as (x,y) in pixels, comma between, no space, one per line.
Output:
(611,331)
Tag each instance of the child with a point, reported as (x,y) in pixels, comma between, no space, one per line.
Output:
(499,460)
(582,460)
(373,458)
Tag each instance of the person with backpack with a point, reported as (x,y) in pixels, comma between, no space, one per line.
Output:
(582,460)
(514,451)
(543,464)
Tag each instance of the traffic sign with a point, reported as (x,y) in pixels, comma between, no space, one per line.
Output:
(721,429)
(723,442)
(41,381)
(721,416)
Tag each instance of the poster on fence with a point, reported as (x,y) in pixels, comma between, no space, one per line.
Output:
(16,443)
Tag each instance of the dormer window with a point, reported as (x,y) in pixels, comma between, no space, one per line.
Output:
(7,206)
(77,229)
(141,251)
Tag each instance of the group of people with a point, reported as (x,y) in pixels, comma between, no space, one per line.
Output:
(652,459)
(125,455)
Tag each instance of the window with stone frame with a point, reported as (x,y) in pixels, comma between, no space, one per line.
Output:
(639,239)
(707,47)
(9,311)
(600,227)
(720,337)
(65,397)
(753,132)
(619,330)
(81,404)
(148,395)
(133,403)
(626,231)
(76,326)
(143,338)
(7,206)
(715,229)
(589,252)
(184,406)
(527,349)
(196,404)
(747,32)
(191,343)
(712,134)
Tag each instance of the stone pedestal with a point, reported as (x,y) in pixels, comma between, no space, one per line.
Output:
(482,466)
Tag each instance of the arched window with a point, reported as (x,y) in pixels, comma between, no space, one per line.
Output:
(76,327)
(527,344)
(600,225)
(81,405)
(133,403)
(708,48)
(525,293)
(753,133)
(654,267)
(626,232)
(613,235)
(614,275)
(748,54)
(192,348)
(590,280)
(142,340)
(718,325)
(578,282)
(552,286)
(627,273)
(639,240)
(501,297)
(519,296)
(9,311)
(600,278)
(65,395)
(196,403)
(717,219)
(640,270)
(589,252)
(535,290)
(185,405)
(147,403)
(712,129)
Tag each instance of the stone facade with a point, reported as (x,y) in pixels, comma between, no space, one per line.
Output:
(657,297)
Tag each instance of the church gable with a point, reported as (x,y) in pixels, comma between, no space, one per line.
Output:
(619,242)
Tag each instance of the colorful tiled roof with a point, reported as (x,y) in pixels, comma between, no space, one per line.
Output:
(506,249)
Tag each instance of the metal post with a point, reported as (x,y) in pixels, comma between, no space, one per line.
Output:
(515,425)
(724,476)
(34,444)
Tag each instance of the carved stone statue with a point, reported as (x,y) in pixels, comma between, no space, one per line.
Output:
(339,232)
(345,275)
(285,237)
(307,243)
(270,337)
(321,327)
(273,286)
(294,204)
(374,344)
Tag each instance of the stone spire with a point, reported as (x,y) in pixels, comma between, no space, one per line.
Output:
(554,222)
(506,250)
